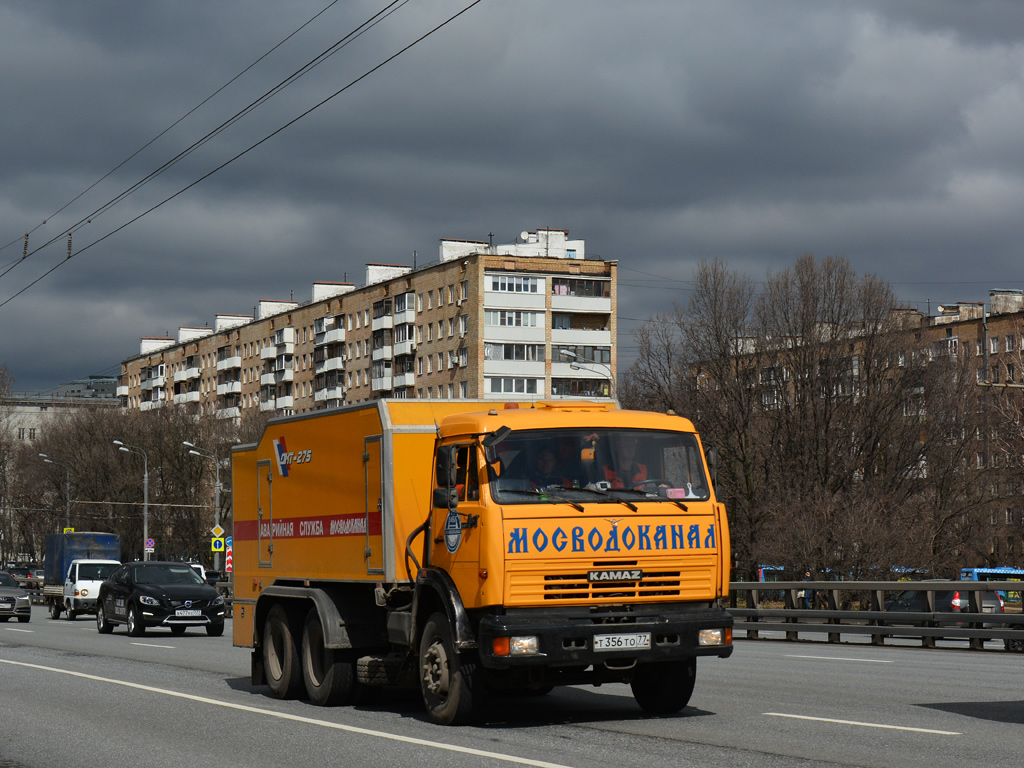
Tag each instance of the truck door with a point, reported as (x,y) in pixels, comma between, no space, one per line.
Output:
(265,513)
(373,478)
(456,534)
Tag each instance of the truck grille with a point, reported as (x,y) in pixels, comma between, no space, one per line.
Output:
(692,580)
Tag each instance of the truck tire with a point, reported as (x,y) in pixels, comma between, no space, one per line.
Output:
(1014,645)
(103,626)
(281,656)
(329,677)
(135,626)
(664,688)
(451,684)
(54,609)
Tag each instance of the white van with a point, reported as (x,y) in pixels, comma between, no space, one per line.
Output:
(82,584)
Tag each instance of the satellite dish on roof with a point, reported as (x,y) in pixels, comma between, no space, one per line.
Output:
(524,236)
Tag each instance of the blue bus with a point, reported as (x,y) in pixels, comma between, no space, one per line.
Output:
(1002,573)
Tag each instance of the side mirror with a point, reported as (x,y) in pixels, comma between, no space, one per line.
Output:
(492,440)
(446,467)
(714,459)
(445,498)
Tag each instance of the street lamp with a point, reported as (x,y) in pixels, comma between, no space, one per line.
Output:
(145,492)
(196,451)
(67,492)
(577,365)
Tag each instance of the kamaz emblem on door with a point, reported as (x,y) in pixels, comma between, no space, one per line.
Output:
(634,575)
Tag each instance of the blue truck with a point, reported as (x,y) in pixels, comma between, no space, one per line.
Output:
(75,566)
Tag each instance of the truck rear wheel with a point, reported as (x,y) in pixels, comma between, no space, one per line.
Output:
(281,655)
(330,679)
(54,609)
(451,684)
(664,687)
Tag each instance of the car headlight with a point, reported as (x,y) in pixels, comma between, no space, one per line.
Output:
(218,600)
(25,600)
(147,600)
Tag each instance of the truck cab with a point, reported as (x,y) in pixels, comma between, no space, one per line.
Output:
(82,585)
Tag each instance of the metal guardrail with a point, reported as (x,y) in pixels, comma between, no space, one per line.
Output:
(832,612)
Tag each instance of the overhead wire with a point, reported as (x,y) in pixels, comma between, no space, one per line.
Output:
(303,70)
(244,152)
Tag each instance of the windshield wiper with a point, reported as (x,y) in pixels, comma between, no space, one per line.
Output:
(649,495)
(550,497)
(607,495)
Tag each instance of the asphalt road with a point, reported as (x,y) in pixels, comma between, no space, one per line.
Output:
(72,697)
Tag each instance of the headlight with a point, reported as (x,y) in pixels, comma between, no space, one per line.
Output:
(22,599)
(147,600)
(715,637)
(527,645)
(218,600)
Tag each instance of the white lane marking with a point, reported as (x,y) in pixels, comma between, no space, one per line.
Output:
(153,645)
(840,658)
(299,719)
(12,629)
(863,725)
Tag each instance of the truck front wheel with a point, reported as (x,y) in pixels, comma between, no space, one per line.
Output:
(329,678)
(664,687)
(451,684)
(281,655)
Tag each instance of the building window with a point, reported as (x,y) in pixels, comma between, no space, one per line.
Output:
(463,389)
(514,284)
(1009,343)
(465,289)
(510,317)
(511,385)
(580,387)
(527,352)
(993,345)
(562,286)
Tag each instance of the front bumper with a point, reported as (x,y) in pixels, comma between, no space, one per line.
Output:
(21,608)
(159,617)
(83,604)
(568,641)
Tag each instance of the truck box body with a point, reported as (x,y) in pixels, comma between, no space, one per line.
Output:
(62,548)
(375,520)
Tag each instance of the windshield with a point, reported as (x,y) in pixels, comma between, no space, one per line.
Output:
(6,580)
(95,571)
(597,465)
(166,574)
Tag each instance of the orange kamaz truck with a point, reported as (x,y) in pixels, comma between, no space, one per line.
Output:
(471,547)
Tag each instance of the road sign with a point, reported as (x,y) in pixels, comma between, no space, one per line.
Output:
(217,545)
(69,530)
(228,564)
(150,544)
(228,542)
(217,531)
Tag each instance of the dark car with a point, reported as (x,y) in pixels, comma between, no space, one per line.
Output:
(14,600)
(144,595)
(946,601)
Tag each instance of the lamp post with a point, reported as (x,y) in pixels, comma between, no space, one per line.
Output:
(67,487)
(577,365)
(196,451)
(145,491)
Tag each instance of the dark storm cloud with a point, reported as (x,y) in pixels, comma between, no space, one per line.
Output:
(662,133)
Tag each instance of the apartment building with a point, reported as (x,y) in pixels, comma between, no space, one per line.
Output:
(531,318)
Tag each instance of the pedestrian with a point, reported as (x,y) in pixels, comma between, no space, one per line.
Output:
(805,595)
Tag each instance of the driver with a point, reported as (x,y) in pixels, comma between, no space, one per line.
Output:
(623,471)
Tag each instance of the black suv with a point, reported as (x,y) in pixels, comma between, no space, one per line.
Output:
(143,595)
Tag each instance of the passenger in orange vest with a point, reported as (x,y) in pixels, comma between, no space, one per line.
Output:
(623,471)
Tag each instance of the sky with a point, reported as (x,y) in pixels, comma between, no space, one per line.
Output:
(663,133)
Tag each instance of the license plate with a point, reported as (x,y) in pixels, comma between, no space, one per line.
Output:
(186,612)
(632,642)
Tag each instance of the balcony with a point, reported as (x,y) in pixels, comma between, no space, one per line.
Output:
(186,397)
(330,336)
(122,390)
(229,388)
(151,405)
(268,405)
(268,353)
(327,394)
(331,364)
(381,384)
(577,337)
(229,413)
(407,347)
(597,304)
(384,353)
(385,321)
(285,401)
(404,380)
(268,380)
(186,375)
(407,315)
(229,363)
(153,382)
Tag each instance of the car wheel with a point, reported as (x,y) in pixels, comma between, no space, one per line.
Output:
(215,630)
(178,629)
(664,687)
(135,627)
(55,610)
(281,655)
(103,626)
(23,619)
(451,684)
(1014,645)
(330,679)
